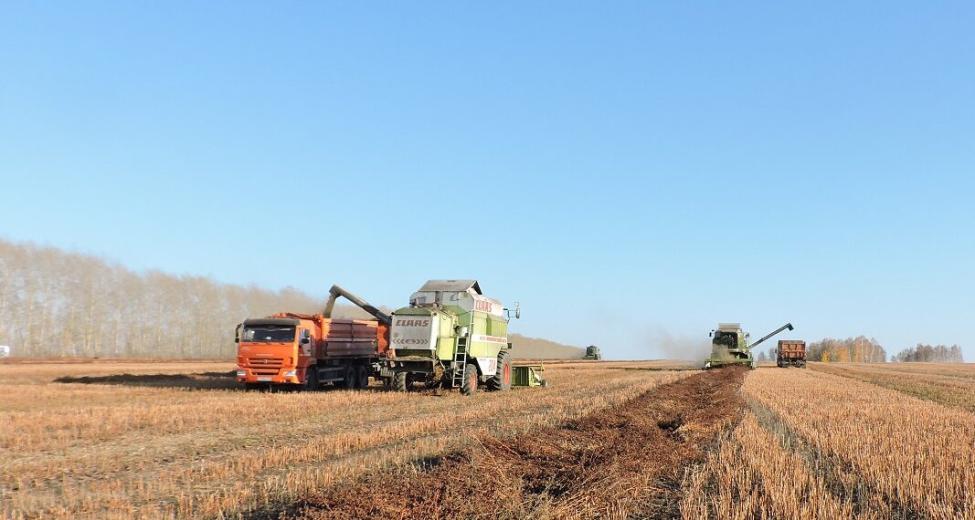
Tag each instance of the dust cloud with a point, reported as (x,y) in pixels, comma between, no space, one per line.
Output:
(673,346)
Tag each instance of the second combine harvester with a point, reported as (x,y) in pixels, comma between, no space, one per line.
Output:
(450,335)
(729,345)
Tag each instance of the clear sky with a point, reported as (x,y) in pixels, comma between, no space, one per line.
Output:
(629,171)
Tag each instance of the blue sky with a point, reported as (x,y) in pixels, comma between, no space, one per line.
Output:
(632,172)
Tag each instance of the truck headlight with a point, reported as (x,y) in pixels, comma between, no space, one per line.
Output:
(241,373)
(291,373)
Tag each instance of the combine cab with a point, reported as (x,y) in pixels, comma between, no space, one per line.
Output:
(592,352)
(729,346)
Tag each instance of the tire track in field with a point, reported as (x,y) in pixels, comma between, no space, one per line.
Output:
(624,461)
(840,478)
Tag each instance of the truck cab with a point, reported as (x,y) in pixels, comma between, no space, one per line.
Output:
(275,350)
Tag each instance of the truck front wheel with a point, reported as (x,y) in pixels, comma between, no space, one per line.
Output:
(311,378)
(400,381)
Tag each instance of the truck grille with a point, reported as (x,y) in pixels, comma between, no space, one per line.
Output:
(265,366)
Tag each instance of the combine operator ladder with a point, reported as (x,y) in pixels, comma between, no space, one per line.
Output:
(460,362)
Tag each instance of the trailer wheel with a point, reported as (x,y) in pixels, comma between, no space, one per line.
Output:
(501,380)
(350,378)
(469,386)
(362,377)
(400,381)
(311,378)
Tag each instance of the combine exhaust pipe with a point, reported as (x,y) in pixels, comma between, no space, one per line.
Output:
(335,292)
(770,334)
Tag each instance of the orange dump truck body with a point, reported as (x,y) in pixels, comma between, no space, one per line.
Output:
(309,349)
(791,352)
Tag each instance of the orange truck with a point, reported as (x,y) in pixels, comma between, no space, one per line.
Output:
(309,350)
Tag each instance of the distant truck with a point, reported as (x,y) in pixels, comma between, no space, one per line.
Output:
(308,350)
(791,352)
(592,352)
(4,351)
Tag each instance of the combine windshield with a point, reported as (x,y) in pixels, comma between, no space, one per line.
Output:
(727,339)
(269,334)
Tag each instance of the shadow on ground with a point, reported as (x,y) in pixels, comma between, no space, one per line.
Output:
(199,380)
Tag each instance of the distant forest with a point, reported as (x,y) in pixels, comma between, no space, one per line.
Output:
(55,303)
(931,353)
(857,350)
(864,350)
(58,303)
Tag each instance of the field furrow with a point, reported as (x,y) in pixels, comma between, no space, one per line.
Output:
(919,456)
(953,387)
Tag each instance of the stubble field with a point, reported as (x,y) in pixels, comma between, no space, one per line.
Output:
(610,439)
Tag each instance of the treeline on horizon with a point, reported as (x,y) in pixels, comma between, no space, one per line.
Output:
(855,350)
(65,304)
(931,354)
(868,350)
(55,303)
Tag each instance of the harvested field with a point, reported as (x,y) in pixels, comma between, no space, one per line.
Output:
(951,384)
(120,440)
(623,461)
(613,439)
(817,445)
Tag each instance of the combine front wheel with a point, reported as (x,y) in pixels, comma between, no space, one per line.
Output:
(400,381)
(502,378)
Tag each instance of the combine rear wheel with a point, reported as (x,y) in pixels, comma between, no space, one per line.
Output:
(469,386)
(400,381)
(501,380)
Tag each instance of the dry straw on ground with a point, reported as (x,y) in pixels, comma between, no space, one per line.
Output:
(188,448)
(816,445)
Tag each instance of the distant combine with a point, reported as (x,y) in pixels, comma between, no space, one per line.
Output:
(730,347)
(592,352)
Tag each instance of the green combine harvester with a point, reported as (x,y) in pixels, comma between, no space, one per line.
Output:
(729,346)
(452,336)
